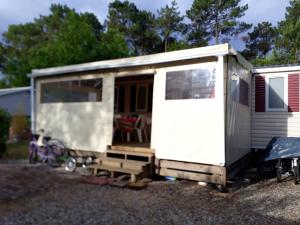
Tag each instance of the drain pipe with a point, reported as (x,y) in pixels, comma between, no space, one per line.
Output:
(32,101)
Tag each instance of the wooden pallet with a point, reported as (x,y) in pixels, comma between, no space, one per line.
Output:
(192,171)
(136,169)
(123,164)
(133,173)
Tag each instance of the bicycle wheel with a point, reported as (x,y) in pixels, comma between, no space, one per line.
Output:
(31,158)
(32,153)
(57,149)
(70,164)
(53,162)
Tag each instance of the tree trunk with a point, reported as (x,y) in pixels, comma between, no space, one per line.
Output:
(217,32)
(216,29)
(166,44)
(217,35)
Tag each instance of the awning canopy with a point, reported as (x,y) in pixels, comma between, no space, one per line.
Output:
(282,148)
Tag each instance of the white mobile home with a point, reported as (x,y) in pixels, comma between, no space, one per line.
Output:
(275,104)
(195,106)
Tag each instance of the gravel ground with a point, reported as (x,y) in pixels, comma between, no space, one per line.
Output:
(65,199)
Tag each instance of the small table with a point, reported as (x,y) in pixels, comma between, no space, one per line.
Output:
(126,125)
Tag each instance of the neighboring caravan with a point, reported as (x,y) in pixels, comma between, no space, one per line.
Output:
(195,104)
(16,100)
(275,104)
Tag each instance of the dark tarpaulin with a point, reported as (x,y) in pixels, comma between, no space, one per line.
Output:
(282,148)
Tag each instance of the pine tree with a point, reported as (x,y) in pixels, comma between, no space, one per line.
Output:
(289,33)
(260,42)
(215,18)
(138,26)
(170,23)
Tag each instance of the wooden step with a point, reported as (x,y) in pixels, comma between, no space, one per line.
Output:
(121,163)
(128,148)
(127,155)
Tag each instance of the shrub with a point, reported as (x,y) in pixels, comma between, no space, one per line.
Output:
(4,127)
(4,123)
(2,148)
(18,127)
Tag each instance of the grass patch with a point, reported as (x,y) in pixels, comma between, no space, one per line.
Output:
(16,150)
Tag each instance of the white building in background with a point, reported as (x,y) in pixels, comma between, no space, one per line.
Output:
(1,75)
(16,100)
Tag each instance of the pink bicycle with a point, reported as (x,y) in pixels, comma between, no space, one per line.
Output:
(46,150)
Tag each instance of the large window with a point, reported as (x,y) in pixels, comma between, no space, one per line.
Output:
(190,84)
(72,91)
(276,94)
(244,92)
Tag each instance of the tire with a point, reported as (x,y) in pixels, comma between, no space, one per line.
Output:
(70,164)
(296,174)
(279,170)
(222,188)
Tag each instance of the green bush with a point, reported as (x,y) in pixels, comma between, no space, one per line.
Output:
(4,128)
(18,127)
(2,148)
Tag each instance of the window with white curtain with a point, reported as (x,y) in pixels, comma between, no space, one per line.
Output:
(276,93)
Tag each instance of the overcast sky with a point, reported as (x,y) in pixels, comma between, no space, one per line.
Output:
(22,11)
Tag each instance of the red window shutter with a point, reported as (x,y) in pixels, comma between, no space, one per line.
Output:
(293,92)
(260,92)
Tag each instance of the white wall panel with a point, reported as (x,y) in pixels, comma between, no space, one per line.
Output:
(238,126)
(188,129)
(83,126)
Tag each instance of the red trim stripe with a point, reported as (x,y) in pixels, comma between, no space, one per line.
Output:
(293,92)
(260,92)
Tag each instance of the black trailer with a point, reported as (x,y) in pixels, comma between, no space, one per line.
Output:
(285,151)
